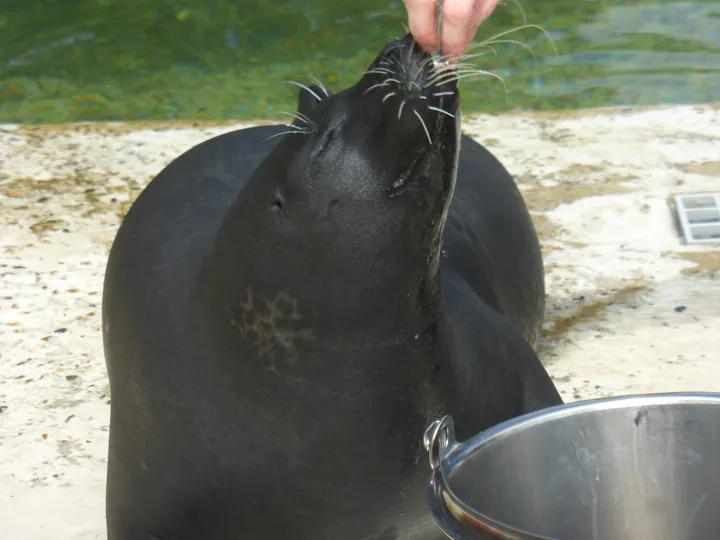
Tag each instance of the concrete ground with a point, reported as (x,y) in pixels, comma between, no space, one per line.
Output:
(630,308)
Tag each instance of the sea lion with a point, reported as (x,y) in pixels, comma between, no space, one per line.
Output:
(284,315)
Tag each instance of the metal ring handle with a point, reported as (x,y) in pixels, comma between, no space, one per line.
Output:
(438,438)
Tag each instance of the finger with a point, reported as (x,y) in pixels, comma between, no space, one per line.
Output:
(483,10)
(458,18)
(421,19)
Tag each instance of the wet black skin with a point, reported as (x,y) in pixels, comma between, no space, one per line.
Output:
(283,318)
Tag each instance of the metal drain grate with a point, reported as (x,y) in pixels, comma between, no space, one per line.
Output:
(699,216)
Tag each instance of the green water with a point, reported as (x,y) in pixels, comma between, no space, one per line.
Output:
(79,60)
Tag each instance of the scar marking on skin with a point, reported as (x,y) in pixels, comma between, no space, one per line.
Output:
(275,324)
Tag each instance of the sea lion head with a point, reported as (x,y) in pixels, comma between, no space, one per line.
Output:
(402,117)
(349,206)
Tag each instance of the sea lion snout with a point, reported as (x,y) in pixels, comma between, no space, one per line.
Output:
(411,91)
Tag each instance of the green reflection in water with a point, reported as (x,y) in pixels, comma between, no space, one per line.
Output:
(83,60)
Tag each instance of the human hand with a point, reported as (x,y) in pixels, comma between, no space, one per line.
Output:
(461,19)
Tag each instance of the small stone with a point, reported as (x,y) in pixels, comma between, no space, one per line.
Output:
(61,330)
(680,309)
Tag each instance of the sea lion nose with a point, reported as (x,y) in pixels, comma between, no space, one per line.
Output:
(405,47)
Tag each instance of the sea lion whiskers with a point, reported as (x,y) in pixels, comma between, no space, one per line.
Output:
(422,66)
(379,71)
(459,68)
(314,94)
(465,68)
(321,86)
(388,96)
(488,43)
(289,132)
(475,73)
(298,116)
(456,75)
(440,110)
(461,71)
(496,42)
(517,5)
(374,86)
(422,123)
(381,60)
(494,39)
(468,56)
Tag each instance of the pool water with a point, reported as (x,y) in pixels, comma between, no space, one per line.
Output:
(80,60)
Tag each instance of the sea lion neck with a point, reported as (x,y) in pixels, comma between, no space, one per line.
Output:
(317,286)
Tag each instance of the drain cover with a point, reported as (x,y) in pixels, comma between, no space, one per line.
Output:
(699,215)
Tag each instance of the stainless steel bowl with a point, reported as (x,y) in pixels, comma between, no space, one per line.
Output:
(623,468)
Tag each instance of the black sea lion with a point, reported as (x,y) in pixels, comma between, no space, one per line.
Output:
(283,318)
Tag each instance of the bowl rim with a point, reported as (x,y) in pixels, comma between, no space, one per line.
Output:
(515,425)
(454,452)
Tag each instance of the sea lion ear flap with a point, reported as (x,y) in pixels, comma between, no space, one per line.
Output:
(309,97)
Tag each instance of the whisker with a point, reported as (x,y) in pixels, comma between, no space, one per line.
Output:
(376,85)
(464,65)
(442,76)
(401,108)
(321,85)
(520,8)
(298,116)
(468,68)
(438,109)
(422,66)
(444,79)
(444,69)
(500,41)
(422,123)
(468,56)
(379,71)
(517,29)
(477,73)
(388,96)
(438,94)
(310,122)
(287,133)
(514,42)
(305,87)
(474,47)
(297,128)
